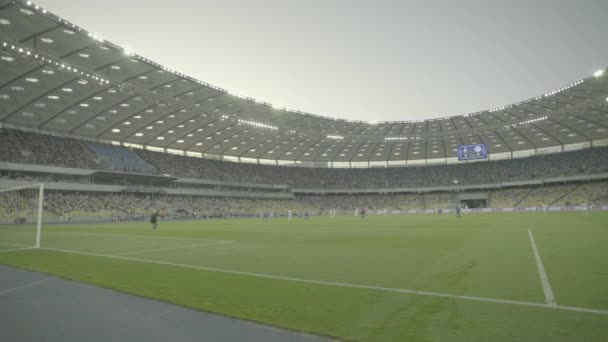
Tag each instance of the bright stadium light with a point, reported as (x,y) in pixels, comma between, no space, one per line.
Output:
(598,73)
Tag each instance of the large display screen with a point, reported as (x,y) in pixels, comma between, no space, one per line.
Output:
(474,151)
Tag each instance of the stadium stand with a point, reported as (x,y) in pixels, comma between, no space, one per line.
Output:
(134,206)
(38,149)
(507,198)
(24,147)
(588,193)
(436,200)
(588,161)
(32,148)
(119,158)
(61,204)
(546,195)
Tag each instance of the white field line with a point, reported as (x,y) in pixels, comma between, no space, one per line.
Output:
(16,245)
(549,297)
(346,285)
(178,247)
(25,285)
(135,236)
(16,249)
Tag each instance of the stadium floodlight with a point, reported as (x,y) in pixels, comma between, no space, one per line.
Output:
(598,73)
(26,217)
(128,51)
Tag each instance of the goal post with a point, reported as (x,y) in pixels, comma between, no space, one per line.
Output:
(39,214)
(21,215)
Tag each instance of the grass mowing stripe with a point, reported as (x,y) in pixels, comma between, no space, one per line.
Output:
(550,298)
(173,248)
(329,283)
(25,285)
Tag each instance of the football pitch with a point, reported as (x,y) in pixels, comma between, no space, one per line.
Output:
(485,277)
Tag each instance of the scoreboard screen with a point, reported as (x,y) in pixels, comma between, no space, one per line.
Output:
(475,151)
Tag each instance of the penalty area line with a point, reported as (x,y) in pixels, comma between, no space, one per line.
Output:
(339,284)
(174,248)
(549,297)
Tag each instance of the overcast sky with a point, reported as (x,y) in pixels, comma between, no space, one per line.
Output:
(366,60)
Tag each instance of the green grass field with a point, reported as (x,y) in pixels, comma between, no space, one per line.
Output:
(351,278)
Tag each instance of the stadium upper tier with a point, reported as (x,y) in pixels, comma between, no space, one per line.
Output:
(30,148)
(57,77)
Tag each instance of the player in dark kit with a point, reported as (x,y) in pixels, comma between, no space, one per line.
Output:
(154,220)
(458,211)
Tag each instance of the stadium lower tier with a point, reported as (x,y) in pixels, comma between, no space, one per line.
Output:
(61,206)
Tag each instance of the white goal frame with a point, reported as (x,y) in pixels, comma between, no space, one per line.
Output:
(40,187)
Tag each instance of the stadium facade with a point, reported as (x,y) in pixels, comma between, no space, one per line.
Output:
(58,78)
(99,124)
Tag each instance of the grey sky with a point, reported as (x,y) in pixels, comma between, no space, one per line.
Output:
(367,60)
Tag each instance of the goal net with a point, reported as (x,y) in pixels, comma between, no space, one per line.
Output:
(21,216)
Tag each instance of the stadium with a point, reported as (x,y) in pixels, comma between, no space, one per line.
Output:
(276,224)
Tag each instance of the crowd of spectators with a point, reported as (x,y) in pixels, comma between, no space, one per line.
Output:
(22,203)
(119,158)
(588,161)
(546,195)
(24,147)
(142,205)
(348,203)
(59,178)
(9,151)
(588,193)
(14,204)
(507,198)
(31,148)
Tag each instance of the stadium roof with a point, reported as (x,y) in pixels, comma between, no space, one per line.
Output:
(59,78)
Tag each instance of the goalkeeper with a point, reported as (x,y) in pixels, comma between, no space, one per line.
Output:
(154,220)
